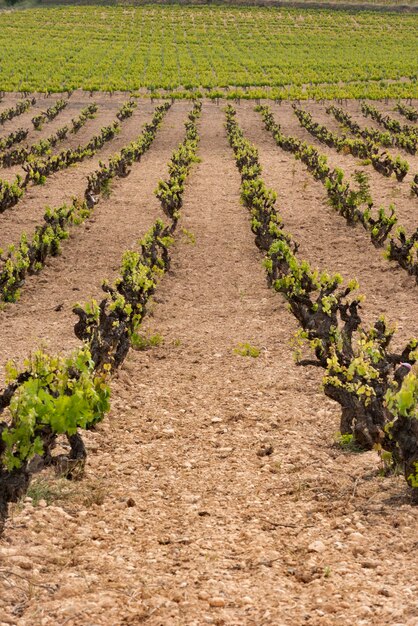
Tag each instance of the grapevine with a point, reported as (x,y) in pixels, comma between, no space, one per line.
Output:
(374,387)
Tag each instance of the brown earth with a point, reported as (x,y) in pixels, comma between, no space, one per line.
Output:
(180,519)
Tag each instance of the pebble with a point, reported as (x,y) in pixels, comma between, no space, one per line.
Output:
(217,601)
(370,564)
(42,504)
(317,546)
(203,595)
(246,600)
(216,420)
(21,561)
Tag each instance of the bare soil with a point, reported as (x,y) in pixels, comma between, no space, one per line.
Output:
(181,518)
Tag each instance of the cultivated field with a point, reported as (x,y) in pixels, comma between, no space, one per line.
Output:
(216,489)
(208,305)
(258,52)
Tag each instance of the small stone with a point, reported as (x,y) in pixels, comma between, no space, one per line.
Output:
(203,595)
(217,601)
(216,420)
(317,546)
(246,600)
(365,609)
(21,561)
(130,502)
(385,592)
(359,550)
(42,504)
(266,449)
(369,564)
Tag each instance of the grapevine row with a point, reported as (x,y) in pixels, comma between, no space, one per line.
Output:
(42,147)
(48,115)
(21,107)
(38,170)
(371,134)
(382,162)
(377,389)
(63,395)
(29,257)
(388,122)
(13,138)
(409,112)
(108,327)
(348,202)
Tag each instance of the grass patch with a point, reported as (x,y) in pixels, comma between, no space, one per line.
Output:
(347,443)
(144,341)
(246,349)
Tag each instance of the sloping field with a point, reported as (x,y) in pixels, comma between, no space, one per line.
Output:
(294,53)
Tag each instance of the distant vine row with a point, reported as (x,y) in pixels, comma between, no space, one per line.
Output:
(38,170)
(50,114)
(29,256)
(12,138)
(387,139)
(21,155)
(388,122)
(21,107)
(409,112)
(354,205)
(383,162)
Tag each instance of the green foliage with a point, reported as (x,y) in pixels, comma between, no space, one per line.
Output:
(142,341)
(195,48)
(29,256)
(60,395)
(404,401)
(246,349)
(347,442)
(190,237)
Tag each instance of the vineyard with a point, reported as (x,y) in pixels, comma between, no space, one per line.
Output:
(209,384)
(246,52)
(208,304)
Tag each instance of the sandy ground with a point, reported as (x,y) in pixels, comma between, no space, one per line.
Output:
(181,519)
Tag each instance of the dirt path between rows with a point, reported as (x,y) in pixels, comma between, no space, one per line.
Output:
(181,520)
